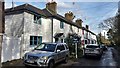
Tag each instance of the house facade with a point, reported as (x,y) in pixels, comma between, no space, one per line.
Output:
(28,26)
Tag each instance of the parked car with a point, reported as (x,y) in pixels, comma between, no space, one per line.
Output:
(93,50)
(47,54)
(104,47)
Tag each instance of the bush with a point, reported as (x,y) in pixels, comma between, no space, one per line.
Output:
(71,45)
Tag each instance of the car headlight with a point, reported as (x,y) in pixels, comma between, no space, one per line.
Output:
(44,58)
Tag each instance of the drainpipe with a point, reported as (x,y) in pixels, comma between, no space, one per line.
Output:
(52,30)
(2,23)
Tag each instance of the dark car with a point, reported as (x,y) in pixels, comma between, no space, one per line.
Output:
(104,47)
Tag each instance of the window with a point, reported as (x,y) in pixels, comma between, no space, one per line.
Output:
(61,25)
(35,40)
(85,41)
(61,47)
(37,19)
(92,46)
(66,47)
(61,40)
(46,47)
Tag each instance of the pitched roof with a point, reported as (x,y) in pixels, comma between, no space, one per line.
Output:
(25,7)
(60,17)
(36,11)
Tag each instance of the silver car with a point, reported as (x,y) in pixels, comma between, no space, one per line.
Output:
(47,54)
(93,50)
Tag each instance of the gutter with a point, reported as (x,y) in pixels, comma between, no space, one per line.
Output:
(52,30)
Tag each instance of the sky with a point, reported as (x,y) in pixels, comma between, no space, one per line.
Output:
(92,13)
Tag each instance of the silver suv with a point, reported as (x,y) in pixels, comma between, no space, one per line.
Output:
(47,54)
(93,50)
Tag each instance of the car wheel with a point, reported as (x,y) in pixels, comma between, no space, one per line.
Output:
(66,59)
(99,56)
(84,55)
(26,66)
(51,64)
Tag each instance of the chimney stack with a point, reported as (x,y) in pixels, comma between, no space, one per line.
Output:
(79,22)
(52,7)
(70,16)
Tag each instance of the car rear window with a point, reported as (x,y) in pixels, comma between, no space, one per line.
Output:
(91,46)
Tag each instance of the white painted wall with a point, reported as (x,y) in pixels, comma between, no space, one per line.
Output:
(20,27)
(10,48)
(75,29)
(66,29)
(80,32)
(33,29)
(12,38)
(56,28)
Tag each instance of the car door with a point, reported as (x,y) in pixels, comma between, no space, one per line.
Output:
(63,52)
(58,54)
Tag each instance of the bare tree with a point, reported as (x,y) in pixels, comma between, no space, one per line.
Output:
(112,24)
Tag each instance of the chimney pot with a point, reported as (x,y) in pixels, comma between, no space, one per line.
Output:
(70,16)
(79,22)
(51,6)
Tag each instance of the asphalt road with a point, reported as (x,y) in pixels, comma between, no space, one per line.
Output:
(106,61)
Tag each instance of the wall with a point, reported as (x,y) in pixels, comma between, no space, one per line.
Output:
(80,32)
(12,37)
(66,29)
(10,48)
(33,29)
(56,28)
(75,29)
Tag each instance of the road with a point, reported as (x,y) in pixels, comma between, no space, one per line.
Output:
(106,61)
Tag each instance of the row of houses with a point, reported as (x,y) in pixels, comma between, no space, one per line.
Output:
(27,26)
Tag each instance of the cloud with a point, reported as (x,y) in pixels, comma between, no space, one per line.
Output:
(9,5)
(64,0)
(64,5)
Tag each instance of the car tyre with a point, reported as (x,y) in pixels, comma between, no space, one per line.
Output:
(51,64)
(99,56)
(66,59)
(26,66)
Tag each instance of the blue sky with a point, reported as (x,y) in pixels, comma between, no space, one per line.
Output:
(92,13)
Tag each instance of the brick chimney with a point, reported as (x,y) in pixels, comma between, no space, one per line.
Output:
(70,16)
(79,22)
(52,7)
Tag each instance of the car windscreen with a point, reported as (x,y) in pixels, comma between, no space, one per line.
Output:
(46,47)
(92,46)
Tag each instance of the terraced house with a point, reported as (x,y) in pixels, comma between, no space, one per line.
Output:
(27,26)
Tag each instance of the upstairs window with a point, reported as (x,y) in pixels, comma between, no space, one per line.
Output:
(62,25)
(35,40)
(37,19)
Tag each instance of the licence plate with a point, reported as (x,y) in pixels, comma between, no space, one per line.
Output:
(91,50)
(30,61)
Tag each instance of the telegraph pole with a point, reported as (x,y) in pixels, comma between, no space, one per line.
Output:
(2,24)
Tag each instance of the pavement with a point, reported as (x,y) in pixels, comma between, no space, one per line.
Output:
(106,61)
